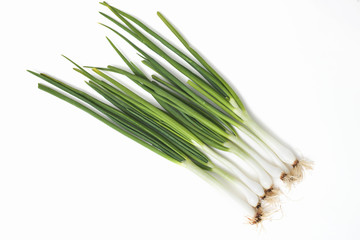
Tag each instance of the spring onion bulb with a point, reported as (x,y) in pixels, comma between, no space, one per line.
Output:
(197,122)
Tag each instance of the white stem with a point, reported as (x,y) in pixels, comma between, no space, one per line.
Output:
(246,192)
(236,171)
(250,196)
(274,157)
(274,171)
(284,153)
(205,175)
(264,178)
(250,211)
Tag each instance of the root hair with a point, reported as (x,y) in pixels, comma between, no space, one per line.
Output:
(262,213)
(271,197)
(297,172)
(257,218)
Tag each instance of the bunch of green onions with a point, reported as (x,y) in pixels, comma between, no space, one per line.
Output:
(196,120)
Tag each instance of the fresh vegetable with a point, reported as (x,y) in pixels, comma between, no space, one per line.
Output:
(196,122)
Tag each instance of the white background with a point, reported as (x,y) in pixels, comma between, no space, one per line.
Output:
(65,175)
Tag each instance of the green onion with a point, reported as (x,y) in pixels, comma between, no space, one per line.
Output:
(196,122)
